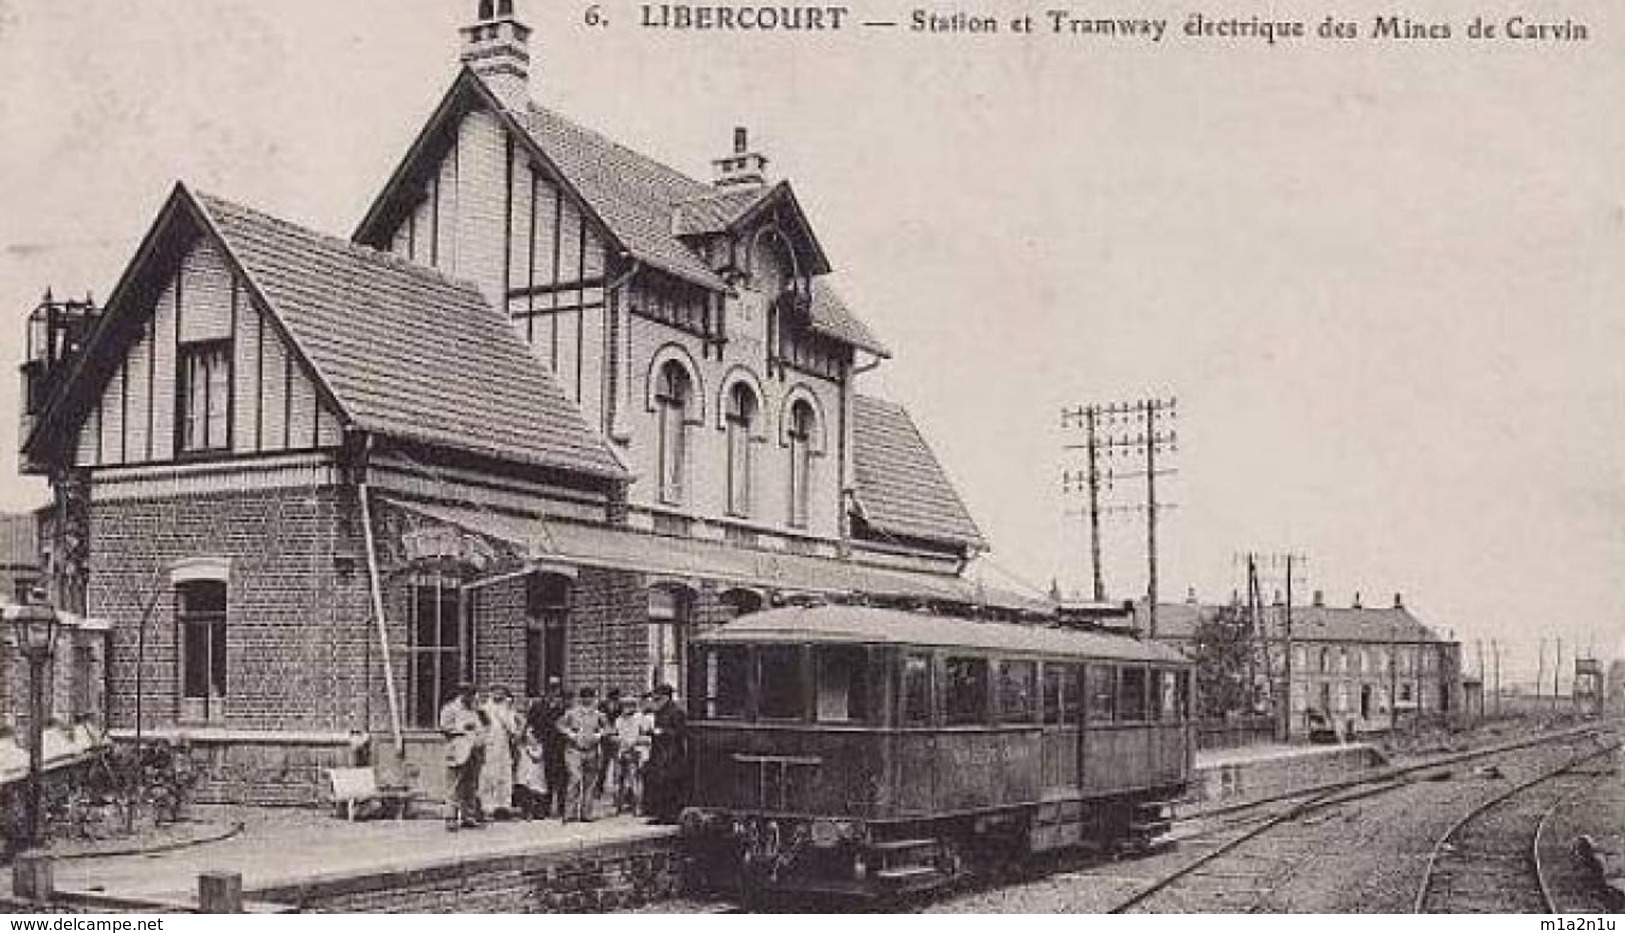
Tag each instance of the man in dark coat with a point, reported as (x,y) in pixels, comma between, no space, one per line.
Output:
(543,722)
(666,788)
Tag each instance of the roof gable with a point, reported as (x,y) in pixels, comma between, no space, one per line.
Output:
(901,488)
(405,351)
(392,347)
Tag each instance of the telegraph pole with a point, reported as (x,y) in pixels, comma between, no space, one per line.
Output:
(1152,439)
(1557,672)
(1093,416)
(1286,660)
(1495,647)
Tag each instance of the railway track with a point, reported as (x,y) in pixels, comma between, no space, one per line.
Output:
(1490,860)
(1221,831)
(1302,805)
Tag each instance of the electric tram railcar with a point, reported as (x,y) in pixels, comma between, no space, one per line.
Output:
(871,751)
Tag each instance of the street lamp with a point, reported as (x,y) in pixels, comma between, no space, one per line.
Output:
(35,626)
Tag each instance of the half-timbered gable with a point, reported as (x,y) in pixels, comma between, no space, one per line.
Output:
(552,408)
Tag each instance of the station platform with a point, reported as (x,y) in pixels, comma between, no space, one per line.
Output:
(1235,774)
(311,860)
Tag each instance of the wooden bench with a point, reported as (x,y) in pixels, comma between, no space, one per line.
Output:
(351,789)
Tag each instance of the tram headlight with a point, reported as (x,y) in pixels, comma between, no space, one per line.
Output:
(826,834)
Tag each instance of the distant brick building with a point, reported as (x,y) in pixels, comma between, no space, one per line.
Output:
(552,407)
(1355,664)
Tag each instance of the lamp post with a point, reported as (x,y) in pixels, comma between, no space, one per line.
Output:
(35,626)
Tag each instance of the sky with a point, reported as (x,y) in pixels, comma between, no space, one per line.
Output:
(1384,280)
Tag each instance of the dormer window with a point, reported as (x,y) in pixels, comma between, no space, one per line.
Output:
(203,422)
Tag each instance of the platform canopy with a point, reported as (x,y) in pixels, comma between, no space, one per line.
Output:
(690,559)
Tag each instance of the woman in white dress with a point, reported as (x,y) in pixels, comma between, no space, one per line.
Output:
(496,777)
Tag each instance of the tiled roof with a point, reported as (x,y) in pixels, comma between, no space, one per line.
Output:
(1310,623)
(716,210)
(405,351)
(900,486)
(634,195)
(829,315)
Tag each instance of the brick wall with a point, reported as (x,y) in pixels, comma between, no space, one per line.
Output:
(297,622)
(609,877)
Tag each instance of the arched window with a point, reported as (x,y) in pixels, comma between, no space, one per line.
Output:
(742,409)
(672,398)
(802,425)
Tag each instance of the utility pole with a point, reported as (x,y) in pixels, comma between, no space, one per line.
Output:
(1152,438)
(1286,659)
(1094,504)
(1557,672)
(1540,672)
(1483,682)
(1495,647)
(1393,678)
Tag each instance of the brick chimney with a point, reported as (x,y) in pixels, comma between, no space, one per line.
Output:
(1190,596)
(742,167)
(1399,600)
(1319,600)
(497,47)
(1357,600)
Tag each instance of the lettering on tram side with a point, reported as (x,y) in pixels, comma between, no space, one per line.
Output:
(990,756)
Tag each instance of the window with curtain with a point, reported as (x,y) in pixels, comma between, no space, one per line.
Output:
(673,396)
(741,422)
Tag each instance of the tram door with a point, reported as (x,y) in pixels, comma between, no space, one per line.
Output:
(1061,741)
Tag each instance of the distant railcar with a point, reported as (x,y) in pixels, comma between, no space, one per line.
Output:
(871,751)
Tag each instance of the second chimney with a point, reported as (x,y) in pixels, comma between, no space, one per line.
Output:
(741,167)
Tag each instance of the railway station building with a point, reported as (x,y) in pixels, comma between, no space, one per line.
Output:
(553,407)
(1356,665)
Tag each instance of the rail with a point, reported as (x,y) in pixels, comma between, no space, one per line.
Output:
(1444,845)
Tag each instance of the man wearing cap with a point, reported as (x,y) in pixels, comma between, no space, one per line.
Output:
(543,722)
(666,786)
(463,727)
(583,728)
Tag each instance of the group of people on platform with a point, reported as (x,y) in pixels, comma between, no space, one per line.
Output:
(557,758)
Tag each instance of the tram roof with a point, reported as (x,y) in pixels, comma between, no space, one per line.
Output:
(865,625)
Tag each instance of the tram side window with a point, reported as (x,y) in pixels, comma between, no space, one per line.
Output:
(1018,691)
(781,692)
(726,683)
(966,691)
(914,705)
(842,684)
(1153,709)
(1060,694)
(1102,686)
(1131,694)
(1170,696)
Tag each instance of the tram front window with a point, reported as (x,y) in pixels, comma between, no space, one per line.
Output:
(841,689)
(780,678)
